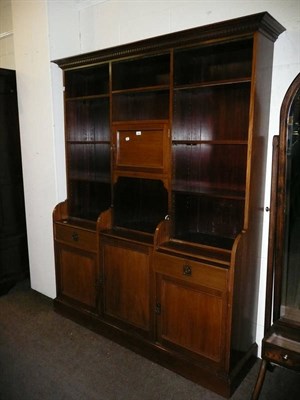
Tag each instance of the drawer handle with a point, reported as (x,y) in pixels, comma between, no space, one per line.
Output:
(75,236)
(187,270)
(285,357)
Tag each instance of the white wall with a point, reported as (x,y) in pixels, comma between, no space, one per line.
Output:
(7,59)
(31,45)
(79,26)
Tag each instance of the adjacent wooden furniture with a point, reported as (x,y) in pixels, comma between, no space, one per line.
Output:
(14,264)
(158,242)
(281,343)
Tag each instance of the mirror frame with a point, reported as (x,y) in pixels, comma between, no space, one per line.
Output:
(281,198)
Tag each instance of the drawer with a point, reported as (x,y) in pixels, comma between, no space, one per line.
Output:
(192,271)
(76,237)
(286,354)
(283,357)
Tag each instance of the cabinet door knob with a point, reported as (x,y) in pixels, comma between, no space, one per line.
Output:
(158,308)
(75,236)
(187,270)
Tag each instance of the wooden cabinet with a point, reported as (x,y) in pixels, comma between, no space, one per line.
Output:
(166,145)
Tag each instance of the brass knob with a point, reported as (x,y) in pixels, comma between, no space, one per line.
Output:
(187,270)
(75,236)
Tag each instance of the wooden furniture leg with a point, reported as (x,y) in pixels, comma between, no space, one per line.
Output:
(260,380)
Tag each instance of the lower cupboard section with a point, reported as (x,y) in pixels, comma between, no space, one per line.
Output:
(192,299)
(169,309)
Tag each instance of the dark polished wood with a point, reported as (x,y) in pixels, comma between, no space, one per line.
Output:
(192,303)
(127,284)
(281,342)
(158,243)
(76,260)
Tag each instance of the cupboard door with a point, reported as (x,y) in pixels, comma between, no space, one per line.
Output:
(136,149)
(141,147)
(127,293)
(191,318)
(77,277)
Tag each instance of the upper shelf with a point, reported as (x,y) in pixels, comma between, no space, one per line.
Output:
(143,72)
(213,63)
(92,81)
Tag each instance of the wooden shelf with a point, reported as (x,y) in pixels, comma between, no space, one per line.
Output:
(129,235)
(87,82)
(208,189)
(87,98)
(80,223)
(138,73)
(210,252)
(209,84)
(140,105)
(142,89)
(213,142)
(89,143)
(88,177)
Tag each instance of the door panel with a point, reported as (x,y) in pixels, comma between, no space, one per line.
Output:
(192,318)
(77,274)
(127,284)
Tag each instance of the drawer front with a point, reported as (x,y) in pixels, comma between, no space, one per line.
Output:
(192,271)
(76,237)
(281,356)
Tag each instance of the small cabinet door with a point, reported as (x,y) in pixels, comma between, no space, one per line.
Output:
(76,277)
(127,285)
(191,307)
(141,147)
